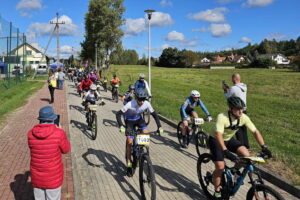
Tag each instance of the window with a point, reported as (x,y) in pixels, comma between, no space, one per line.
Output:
(37,62)
(28,52)
(30,62)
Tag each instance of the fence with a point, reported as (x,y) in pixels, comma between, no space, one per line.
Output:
(12,54)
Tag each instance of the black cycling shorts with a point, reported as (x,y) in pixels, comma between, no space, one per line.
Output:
(189,110)
(130,125)
(216,150)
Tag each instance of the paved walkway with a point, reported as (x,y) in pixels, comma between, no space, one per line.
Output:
(98,165)
(15,181)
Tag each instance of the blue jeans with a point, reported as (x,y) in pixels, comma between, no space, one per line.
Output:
(60,84)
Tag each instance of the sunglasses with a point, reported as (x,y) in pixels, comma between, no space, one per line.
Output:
(142,99)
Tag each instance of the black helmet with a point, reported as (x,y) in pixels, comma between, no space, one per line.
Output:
(235,102)
(114,75)
(141,94)
(131,87)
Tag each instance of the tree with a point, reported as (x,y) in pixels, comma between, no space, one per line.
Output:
(171,57)
(103,23)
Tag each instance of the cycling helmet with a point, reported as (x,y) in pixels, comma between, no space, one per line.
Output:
(131,87)
(93,87)
(141,94)
(195,93)
(235,102)
(142,76)
(114,75)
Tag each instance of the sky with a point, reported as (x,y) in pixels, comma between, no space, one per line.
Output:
(198,25)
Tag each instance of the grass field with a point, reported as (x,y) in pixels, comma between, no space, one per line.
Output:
(273,102)
(11,99)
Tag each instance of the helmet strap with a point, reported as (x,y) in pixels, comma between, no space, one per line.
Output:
(233,127)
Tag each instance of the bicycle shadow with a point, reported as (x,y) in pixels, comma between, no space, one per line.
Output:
(181,183)
(45,99)
(79,108)
(82,127)
(108,122)
(174,145)
(115,167)
(75,94)
(21,187)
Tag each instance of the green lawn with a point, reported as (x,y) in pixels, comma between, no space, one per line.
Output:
(273,101)
(16,95)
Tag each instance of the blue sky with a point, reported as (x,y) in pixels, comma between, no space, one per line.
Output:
(200,25)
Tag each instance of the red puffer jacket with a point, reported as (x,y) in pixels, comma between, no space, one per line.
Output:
(47,143)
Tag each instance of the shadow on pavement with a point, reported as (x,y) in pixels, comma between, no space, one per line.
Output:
(172,144)
(115,167)
(75,94)
(79,108)
(21,187)
(82,127)
(108,122)
(180,183)
(45,99)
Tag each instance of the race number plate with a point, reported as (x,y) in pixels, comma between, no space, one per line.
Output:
(93,107)
(116,86)
(199,121)
(143,139)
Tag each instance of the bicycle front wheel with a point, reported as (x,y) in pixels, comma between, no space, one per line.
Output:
(146,116)
(205,168)
(180,126)
(94,126)
(147,178)
(261,191)
(201,141)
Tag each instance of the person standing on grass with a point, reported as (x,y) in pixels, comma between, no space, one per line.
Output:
(52,85)
(61,78)
(239,89)
(47,142)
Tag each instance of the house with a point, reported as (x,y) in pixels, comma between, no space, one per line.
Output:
(219,59)
(278,58)
(235,58)
(205,60)
(27,55)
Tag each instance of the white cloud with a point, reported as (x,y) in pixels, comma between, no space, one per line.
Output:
(277,36)
(43,29)
(135,26)
(259,3)
(245,40)
(165,3)
(213,16)
(25,6)
(217,30)
(175,36)
(165,46)
(160,19)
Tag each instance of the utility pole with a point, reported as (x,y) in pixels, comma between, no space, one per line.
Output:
(57,35)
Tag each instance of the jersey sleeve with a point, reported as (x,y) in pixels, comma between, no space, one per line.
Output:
(150,108)
(249,124)
(126,107)
(203,107)
(220,124)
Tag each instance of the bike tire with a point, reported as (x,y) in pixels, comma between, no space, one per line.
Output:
(117,96)
(147,179)
(201,141)
(179,133)
(205,163)
(94,128)
(146,116)
(265,190)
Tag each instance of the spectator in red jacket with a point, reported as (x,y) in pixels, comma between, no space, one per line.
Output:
(47,143)
(85,83)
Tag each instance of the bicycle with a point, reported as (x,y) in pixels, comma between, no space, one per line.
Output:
(92,120)
(146,114)
(115,92)
(233,178)
(141,158)
(104,85)
(195,129)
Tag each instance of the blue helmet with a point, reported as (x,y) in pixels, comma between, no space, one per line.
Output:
(47,114)
(141,94)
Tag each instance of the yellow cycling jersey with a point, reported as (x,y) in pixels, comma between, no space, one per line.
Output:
(223,125)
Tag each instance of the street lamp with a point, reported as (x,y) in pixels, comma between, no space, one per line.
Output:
(149,13)
(96,45)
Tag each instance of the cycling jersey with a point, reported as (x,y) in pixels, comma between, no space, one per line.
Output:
(143,85)
(86,84)
(223,125)
(115,81)
(89,96)
(133,111)
(93,77)
(128,96)
(189,105)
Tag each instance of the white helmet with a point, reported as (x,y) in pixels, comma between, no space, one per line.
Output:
(195,93)
(142,76)
(93,87)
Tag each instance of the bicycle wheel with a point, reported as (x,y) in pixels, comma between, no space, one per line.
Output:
(146,116)
(179,132)
(201,141)
(94,126)
(205,168)
(261,191)
(117,96)
(147,178)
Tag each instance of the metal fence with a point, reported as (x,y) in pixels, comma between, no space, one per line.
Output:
(12,54)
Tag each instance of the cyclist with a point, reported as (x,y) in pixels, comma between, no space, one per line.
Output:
(187,108)
(93,77)
(223,142)
(85,83)
(129,94)
(115,81)
(132,111)
(142,84)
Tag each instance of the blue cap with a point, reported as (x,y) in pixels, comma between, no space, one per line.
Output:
(47,114)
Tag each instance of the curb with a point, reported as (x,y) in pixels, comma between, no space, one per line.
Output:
(272,178)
